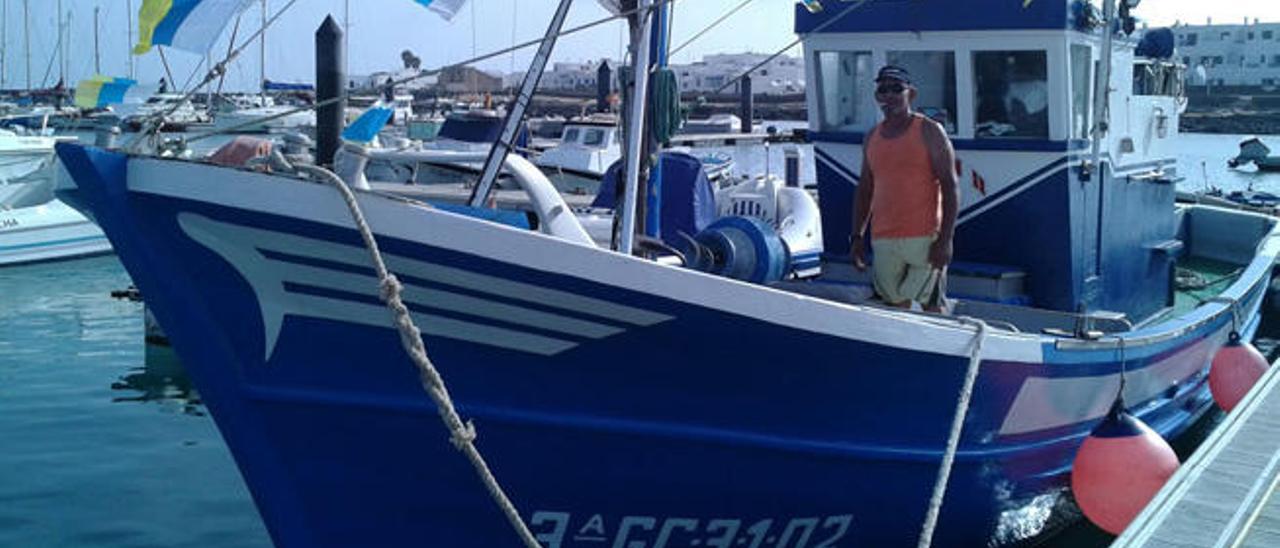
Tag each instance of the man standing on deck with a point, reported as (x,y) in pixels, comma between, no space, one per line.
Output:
(909,196)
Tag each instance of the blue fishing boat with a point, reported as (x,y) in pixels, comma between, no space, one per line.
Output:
(624,401)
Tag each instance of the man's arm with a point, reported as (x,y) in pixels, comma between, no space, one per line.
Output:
(943,158)
(862,211)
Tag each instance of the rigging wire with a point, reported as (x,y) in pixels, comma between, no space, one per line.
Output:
(423,74)
(708,28)
(793,44)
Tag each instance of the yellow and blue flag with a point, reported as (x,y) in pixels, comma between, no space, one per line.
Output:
(446,8)
(100,91)
(191,25)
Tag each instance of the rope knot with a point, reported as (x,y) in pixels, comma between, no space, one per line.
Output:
(390,287)
(463,436)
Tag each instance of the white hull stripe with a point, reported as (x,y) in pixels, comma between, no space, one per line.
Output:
(272,281)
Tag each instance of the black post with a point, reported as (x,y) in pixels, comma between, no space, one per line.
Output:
(748,104)
(604,74)
(330,83)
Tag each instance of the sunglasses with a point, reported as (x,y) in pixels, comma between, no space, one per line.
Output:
(890,89)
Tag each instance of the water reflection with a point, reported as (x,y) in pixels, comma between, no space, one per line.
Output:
(161,380)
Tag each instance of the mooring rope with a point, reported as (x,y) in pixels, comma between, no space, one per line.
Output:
(957,426)
(462,433)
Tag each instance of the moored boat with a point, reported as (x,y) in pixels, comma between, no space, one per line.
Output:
(622,400)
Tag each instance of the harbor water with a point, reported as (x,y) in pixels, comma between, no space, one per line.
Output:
(104,445)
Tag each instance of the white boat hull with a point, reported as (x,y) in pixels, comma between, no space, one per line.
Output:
(48,232)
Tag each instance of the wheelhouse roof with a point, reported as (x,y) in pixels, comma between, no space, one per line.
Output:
(939,15)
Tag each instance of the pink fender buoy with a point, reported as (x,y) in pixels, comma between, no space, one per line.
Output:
(1119,468)
(1236,368)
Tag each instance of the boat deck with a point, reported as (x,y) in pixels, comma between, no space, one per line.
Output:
(1226,493)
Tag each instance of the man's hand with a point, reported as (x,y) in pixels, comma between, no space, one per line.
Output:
(859,254)
(940,253)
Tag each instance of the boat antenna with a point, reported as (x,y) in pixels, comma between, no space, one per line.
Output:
(1102,88)
(129,43)
(26,37)
(793,44)
(415,77)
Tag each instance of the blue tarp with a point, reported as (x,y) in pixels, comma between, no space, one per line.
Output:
(688,202)
(285,86)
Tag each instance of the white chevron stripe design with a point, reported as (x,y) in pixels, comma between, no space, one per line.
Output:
(242,247)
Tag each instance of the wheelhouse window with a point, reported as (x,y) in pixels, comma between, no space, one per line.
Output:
(1012,94)
(1081,90)
(571,135)
(595,137)
(844,90)
(933,73)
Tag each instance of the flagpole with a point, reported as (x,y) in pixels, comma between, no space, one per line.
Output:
(262,57)
(97,57)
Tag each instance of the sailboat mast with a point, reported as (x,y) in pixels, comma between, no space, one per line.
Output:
(62,51)
(262,56)
(4,41)
(346,32)
(26,37)
(97,56)
(129,43)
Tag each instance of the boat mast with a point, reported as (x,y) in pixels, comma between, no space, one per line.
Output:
(129,43)
(346,33)
(26,37)
(641,36)
(62,51)
(97,56)
(4,40)
(262,56)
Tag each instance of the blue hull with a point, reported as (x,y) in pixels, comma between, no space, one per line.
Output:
(681,425)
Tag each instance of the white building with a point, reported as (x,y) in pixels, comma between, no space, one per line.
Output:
(1232,55)
(781,76)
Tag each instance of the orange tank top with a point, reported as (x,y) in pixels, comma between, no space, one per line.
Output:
(907,199)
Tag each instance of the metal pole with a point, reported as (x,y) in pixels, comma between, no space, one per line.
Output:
(1102,88)
(330,85)
(262,56)
(510,129)
(129,43)
(62,49)
(635,133)
(26,37)
(97,56)
(346,32)
(4,41)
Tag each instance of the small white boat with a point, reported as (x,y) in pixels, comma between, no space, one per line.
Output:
(260,114)
(586,150)
(33,225)
(716,123)
(182,117)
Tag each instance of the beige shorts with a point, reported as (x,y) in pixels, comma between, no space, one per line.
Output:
(902,273)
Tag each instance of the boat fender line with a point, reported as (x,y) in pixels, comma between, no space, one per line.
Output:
(462,433)
(957,426)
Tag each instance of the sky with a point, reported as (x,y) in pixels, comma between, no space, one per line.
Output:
(381,29)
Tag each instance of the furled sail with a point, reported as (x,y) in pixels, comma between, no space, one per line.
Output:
(191,25)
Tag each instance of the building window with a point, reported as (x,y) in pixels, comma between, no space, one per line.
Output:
(1218,61)
(934,75)
(845,91)
(1226,36)
(1251,35)
(1192,39)
(1081,89)
(1275,61)
(1267,35)
(1012,94)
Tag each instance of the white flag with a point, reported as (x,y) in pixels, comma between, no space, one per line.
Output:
(446,8)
